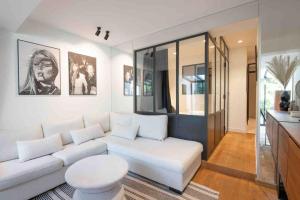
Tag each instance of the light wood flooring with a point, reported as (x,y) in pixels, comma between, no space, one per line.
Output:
(236,151)
(232,188)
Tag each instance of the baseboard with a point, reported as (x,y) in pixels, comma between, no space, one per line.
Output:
(269,185)
(237,130)
(229,171)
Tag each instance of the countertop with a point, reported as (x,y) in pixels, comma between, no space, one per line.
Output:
(290,124)
(282,116)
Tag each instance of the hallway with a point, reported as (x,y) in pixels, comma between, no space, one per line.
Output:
(236,151)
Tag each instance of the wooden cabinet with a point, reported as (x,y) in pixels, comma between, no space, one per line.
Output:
(269,127)
(275,139)
(272,133)
(284,136)
(283,141)
(293,172)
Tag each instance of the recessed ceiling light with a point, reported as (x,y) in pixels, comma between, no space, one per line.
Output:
(174,53)
(203,41)
(240,41)
(212,46)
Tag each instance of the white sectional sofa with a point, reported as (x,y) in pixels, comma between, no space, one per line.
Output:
(169,161)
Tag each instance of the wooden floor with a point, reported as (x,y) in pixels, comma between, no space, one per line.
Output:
(236,151)
(232,188)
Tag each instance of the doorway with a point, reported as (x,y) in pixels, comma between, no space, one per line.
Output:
(251,97)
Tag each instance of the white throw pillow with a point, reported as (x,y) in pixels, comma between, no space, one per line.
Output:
(99,118)
(125,131)
(63,128)
(31,149)
(9,138)
(124,119)
(152,126)
(86,134)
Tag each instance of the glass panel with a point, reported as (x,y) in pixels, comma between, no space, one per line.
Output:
(222,82)
(144,74)
(165,78)
(192,76)
(218,81)
(211,77)
(227,95)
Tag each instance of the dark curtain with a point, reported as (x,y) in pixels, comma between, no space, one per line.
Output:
(166,97)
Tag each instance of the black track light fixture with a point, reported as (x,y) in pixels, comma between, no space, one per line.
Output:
(106,35)
(98,31)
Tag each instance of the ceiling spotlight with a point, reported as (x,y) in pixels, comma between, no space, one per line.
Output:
(240,41)
(106,35)
(98,31)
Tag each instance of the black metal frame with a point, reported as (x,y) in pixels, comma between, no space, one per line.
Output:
(59,66)
(184,121)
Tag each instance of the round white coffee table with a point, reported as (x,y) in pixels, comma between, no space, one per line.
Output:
(97,177)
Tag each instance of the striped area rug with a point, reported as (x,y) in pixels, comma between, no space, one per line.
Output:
(138,188)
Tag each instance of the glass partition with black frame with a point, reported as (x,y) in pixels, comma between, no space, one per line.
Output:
(192,83)
(182,79)
(144,87)
(211,95)
(165,78)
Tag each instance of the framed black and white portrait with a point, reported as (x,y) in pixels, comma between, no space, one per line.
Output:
(82,74)
(38,69)
(128,80)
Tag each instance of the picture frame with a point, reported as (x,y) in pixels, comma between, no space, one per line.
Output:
(39,70)
(82,74)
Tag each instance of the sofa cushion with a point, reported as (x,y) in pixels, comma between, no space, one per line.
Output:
(14,172)
(8,139)
(125,131)
(72,152)
(124,119)
(152,126)
(31,149)
(83,135)
(100,118)
(171,154)
(63,128)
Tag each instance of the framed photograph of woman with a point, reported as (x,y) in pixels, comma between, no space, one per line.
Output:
(128,80)
(82,74)
(38,69)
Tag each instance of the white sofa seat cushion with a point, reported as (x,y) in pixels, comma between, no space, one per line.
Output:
(63,128)
(14,172)
(171,154)
(72,152)
(152,126)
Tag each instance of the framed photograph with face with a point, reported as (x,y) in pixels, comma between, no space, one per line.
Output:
(128,80)
(38,69)
(82,74)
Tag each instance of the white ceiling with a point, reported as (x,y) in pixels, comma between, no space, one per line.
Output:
(14,12)
(126,19)
(244,30)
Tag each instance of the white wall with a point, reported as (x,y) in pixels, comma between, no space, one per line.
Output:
(238,90)
(23,111)
(120,103)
